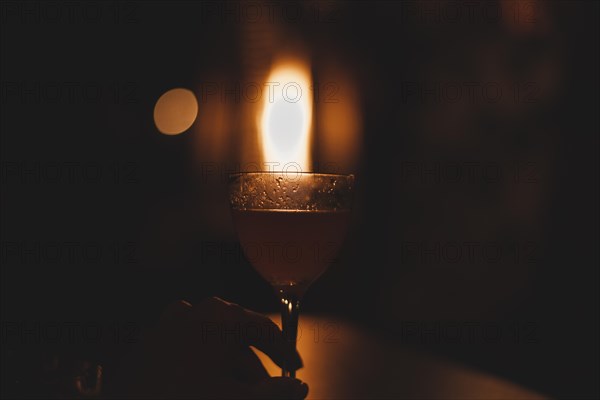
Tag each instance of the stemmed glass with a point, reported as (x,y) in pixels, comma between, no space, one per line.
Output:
(290,226)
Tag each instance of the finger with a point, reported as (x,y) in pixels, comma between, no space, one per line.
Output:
(280,388)
(248,368)
(256,330)
(268,338)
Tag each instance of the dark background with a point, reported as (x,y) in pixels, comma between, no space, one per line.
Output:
(78,92)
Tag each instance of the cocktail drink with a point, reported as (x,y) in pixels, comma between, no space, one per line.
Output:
(290,226)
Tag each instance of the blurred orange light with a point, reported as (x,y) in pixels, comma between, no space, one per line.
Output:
(175,111)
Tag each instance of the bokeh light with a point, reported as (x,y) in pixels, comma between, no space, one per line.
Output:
(175,111)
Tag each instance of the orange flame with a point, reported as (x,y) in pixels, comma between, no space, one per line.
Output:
(285,123)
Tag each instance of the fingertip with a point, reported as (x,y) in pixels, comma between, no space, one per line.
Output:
(304,390)
(301,391)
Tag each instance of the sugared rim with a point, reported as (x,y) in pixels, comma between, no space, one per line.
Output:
(238,174)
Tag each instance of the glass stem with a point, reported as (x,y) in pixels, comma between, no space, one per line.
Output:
(290,308)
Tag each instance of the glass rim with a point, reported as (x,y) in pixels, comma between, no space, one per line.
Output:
(321,174)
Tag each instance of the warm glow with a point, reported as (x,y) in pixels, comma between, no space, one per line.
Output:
(339,138)
(285,121)
(175,111)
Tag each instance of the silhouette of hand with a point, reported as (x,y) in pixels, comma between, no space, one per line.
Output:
(202,351)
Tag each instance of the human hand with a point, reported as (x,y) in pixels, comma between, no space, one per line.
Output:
(203,351)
